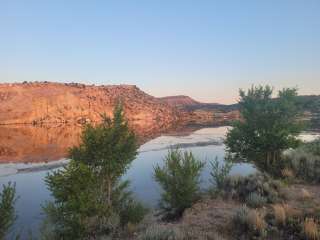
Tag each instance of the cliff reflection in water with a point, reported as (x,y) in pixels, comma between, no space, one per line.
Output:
(32,144)
(27,143)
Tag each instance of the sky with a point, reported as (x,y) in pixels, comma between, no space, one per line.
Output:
(204,49)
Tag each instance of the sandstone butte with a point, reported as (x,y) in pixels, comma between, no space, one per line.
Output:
(48,103)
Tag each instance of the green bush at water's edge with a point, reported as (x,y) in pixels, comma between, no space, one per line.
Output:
(179,179)
(90,199)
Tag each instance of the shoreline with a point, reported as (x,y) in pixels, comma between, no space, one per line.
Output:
(8,169)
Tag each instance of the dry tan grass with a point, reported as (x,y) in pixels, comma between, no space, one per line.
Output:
(291,212)
(279,213)
(256,221)
(305,194)
(311,229)
(131,228)
(287,173)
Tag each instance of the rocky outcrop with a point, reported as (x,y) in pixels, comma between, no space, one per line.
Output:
(43,103)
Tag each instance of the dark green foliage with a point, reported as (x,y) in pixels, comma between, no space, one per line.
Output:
(75,190)
(309,103)
(219,174)
(90,199)
(107,149)
(312,147)
(7,211)
(179,179)
(268,126)
(132,212)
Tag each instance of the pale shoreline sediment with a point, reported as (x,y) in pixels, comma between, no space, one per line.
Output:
(15,168)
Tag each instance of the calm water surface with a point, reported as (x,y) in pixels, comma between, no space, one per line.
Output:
(206,144)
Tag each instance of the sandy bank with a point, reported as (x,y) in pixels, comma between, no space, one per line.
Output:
(14,168)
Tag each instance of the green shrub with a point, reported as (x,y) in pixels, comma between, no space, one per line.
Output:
(219,173)
(179,179)
(240,217)
(133,212)
(312,147)
(159,233)
(303,163)
(250,222)
(255,200)
(7,211)
(267,126)
(261,184)
(90,198)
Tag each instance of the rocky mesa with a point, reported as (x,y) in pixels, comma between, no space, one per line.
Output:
(45,102)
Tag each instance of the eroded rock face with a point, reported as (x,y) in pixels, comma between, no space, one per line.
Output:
(43,103)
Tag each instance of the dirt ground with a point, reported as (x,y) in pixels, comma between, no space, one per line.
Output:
(211,219)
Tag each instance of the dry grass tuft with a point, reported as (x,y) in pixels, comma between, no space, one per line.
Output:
(279,214)
(305,194)
(291,212)
(131,228)
(287,173)
(256,221)
(311,229)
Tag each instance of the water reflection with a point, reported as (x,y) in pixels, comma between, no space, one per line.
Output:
(33,144)
(36,144)
(27,143)
(33,192)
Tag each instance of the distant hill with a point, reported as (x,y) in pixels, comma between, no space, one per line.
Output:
(189,104)
(179,101)
(310,103)
(307,102)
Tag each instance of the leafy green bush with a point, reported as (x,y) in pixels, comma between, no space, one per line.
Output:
(179,179)
(219,173)
(90,199)
(268,126)
(7,211)
(260,184)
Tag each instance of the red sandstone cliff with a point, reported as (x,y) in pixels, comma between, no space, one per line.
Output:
(40,103)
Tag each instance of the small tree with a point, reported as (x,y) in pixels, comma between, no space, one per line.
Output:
(179,178)
(89,197)
(107,149)
(219,173)
(7,211)
(267,126)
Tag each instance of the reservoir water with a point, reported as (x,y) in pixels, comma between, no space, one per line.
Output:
(205,143)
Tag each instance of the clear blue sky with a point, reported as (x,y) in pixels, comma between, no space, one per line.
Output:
(205,49)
